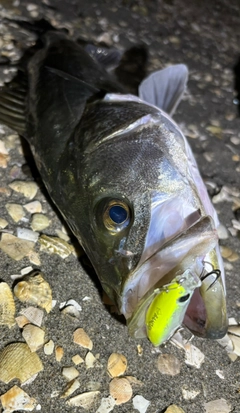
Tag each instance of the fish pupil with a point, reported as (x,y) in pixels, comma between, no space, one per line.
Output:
(184,298)
(118,214)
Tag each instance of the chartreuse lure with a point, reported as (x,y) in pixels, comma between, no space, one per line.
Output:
(166,311)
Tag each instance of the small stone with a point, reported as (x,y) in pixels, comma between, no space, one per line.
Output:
(14,247)
(141,404)
(28,189)
(33,207)
(217,406)
(15,211)
(39,222)
(168,364)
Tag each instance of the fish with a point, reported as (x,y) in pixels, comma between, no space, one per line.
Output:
(124,178)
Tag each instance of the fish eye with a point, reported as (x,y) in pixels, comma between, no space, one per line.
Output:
(184,298)
(116,215)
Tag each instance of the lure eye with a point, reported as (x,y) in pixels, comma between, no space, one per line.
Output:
(116,215)
(184,298)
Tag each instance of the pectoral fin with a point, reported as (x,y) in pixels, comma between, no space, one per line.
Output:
(165,88)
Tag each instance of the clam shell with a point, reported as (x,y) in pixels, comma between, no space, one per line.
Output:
(81,338)
(17,361)
(117,364)
(120,389)
(34,336)
(34,290)
(7,305)
(17,399)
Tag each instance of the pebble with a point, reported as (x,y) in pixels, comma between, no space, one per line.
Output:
(28,189)
(39,222)
(14,247)
(217,406)
(168,364)
(15,211)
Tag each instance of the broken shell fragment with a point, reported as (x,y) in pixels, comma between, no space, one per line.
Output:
(15,211)
(77,359)
(34,336)
(55,245)
(39,222)
(33,207)
(168,364)
(28,189)
(59,352)
(17,399)
(34,290)
(48,348)
(117,364)
(194,357)
(174,409)
(217,406)
(18,362)
(14,247)
(84,400)
(120,389)
(141,404)
(81,338)
(33,314)
(107,405)
(7,305)
(70,389)
(90,360)
(70,373)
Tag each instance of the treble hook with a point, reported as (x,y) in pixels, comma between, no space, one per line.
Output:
(217,272)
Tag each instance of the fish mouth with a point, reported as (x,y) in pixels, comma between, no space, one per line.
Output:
(206,313)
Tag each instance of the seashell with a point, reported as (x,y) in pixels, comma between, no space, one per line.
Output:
(71,308)
(18,362)
(14,247)
(81,338)
(21,321)
(7,305)
(34,290)
(120,389)
(70,389)
(27,234)
(93,385)
(217,406)
(59,352)
(168,364)
(174,409)
(90,360)
(15,211)
(77,359)
(70,373)
(34,336)
(33,314)
(190,394)
(139,350)
(84,400)
(55,245)
(107,405)
(48,348)
(117,364)
(28,189)
(39,222)
(3,223)
(194,357)
(17,399)
(141,404)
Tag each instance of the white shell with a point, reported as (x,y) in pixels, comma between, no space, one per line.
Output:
(17,399)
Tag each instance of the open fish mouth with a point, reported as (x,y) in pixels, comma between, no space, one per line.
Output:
(189,262)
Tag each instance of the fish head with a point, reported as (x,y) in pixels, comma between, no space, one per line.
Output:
(140,214)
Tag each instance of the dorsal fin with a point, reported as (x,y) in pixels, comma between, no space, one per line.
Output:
(165,88)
